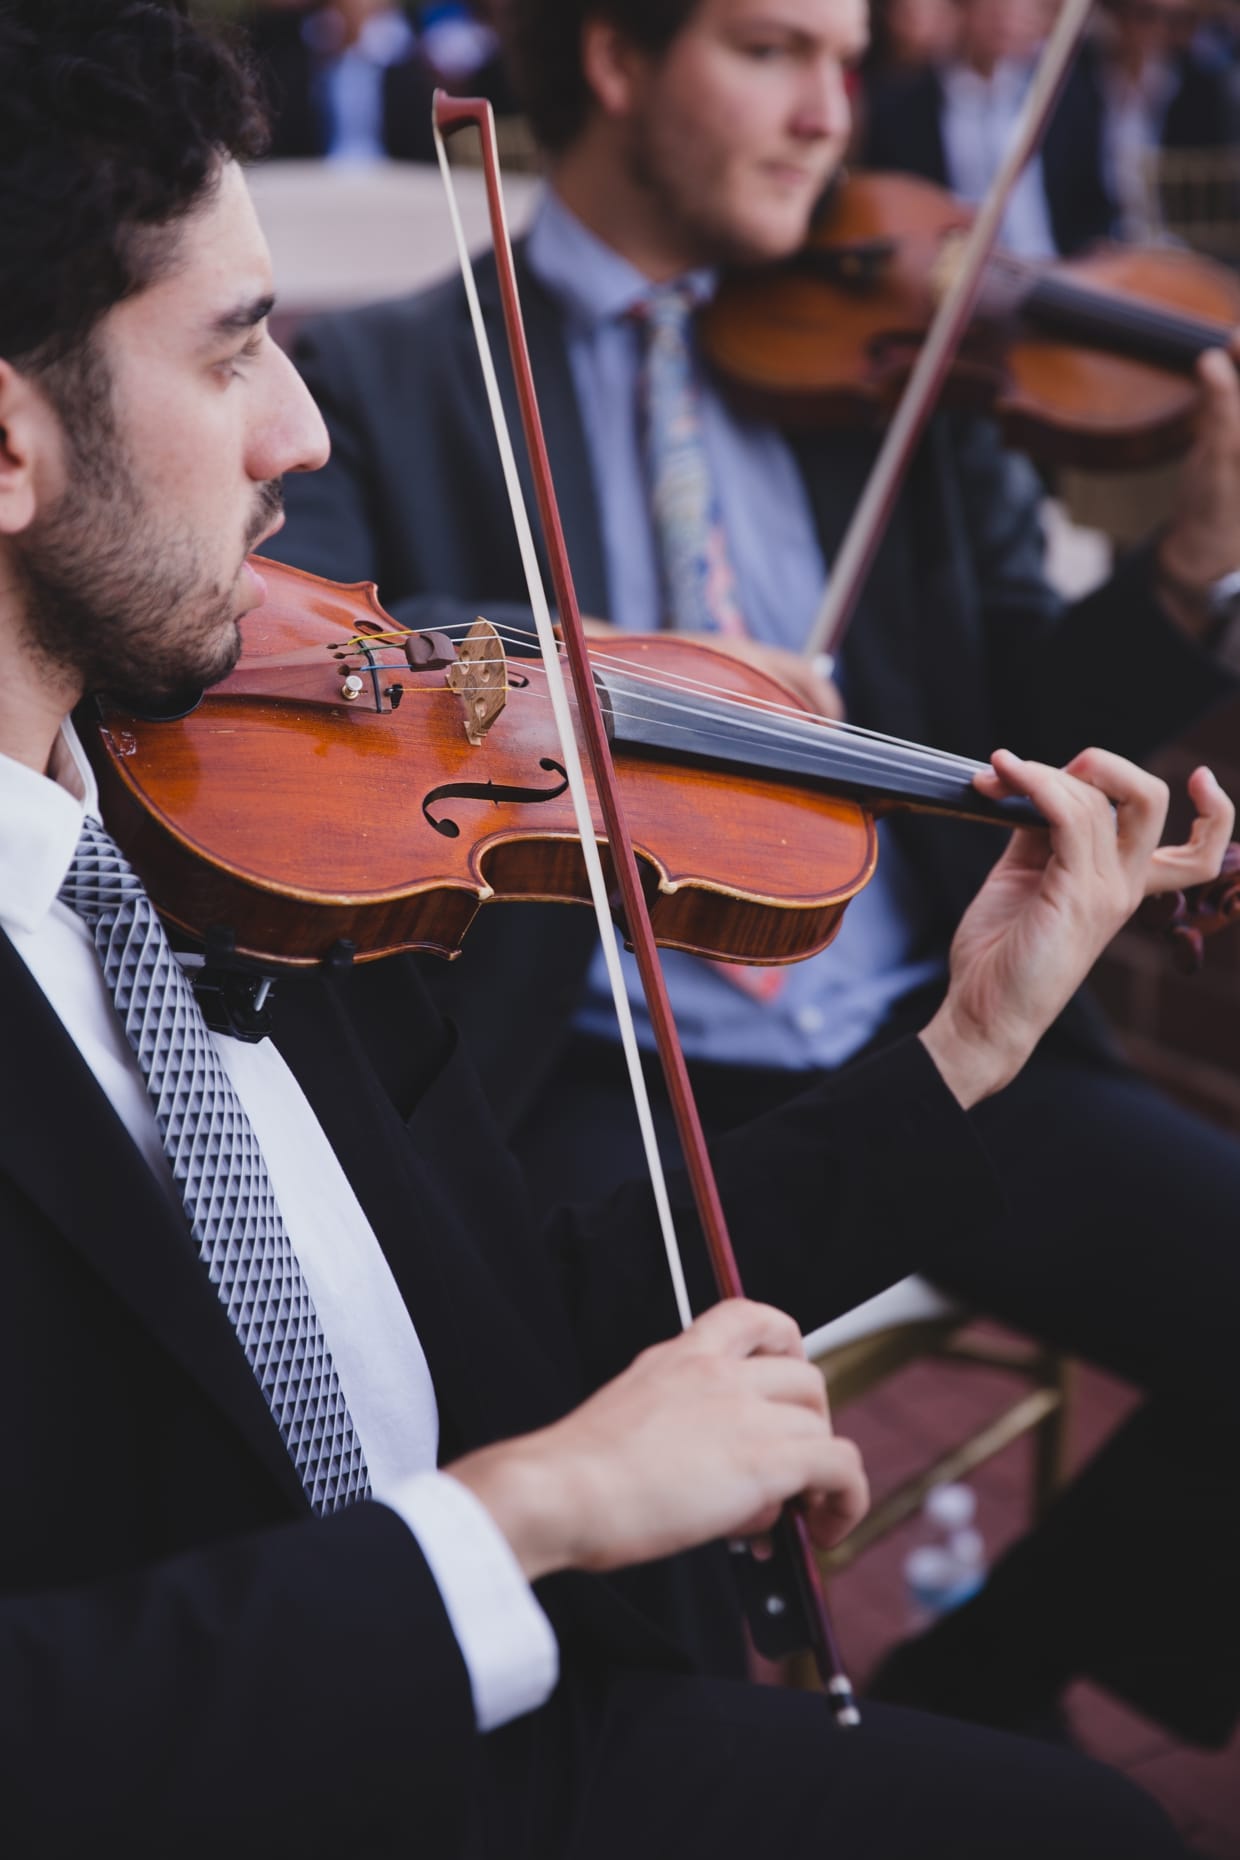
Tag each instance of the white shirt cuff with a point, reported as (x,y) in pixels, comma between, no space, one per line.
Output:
(509,1647)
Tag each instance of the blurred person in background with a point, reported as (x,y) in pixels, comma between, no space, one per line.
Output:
(352,80)
(908,35)
(1139,84)
(1153,86)
(951,122)
(347,82)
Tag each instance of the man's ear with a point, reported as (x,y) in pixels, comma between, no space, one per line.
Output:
(30,448)
(613,66)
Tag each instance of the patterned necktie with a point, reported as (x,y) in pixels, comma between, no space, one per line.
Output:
(234,1218)
(699,587)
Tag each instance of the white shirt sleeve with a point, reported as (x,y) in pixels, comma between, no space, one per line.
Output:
(508,1644)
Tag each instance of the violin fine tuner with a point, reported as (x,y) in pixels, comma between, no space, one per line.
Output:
(479,677)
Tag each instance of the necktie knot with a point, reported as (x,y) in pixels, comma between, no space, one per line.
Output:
(667,309)
(100,879)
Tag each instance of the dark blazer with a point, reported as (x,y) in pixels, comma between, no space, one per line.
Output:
(191,1664)
(903,130)
(958,641)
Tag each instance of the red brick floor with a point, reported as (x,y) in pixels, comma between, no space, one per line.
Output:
(929,1406)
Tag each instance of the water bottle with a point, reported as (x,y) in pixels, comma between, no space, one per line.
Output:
(948,1563)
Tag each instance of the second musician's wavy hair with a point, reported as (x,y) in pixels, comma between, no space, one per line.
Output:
(544,39)
(117,116)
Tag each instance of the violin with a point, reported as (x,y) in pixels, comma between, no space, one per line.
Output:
(353,784)
(1086,362)
(357,787)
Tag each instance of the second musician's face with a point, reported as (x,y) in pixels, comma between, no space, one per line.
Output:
(737,127)
(184,419)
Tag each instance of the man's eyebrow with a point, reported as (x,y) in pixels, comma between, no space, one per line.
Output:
(244,316)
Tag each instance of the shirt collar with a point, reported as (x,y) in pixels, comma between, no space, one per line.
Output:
(593,284)
(1004,89)
(40,824)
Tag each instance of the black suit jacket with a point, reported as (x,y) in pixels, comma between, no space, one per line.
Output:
(958,641)
(903,130)
(191,1663)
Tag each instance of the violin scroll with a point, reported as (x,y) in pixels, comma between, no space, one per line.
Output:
(1189,917)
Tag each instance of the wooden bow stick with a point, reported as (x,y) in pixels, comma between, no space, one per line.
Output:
(790,1589)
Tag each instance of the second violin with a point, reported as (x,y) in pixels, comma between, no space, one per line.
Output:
(1087,362)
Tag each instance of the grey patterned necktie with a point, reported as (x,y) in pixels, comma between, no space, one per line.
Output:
(218,1167)
(699,586)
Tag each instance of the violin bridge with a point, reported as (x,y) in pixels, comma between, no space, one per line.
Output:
(479,676)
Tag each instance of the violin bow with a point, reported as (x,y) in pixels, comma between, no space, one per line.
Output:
(943,339)
(791,1593)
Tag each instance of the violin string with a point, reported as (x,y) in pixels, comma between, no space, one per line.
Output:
(858,746)
(688,721)
(804,720)
(677,685)
(1131,314)
(666,679)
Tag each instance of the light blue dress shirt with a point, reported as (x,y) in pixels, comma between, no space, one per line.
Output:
(833,1003)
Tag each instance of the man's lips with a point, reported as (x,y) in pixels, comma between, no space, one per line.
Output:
(273,529)
(792,174)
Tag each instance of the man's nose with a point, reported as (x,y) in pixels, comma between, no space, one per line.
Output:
(825,112)
(293,437)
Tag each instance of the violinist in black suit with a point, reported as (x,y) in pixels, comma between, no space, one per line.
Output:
(679,139)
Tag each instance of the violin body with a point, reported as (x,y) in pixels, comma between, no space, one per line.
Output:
(1086,361)
(298,820)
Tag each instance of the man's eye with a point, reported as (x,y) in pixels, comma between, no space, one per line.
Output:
(762,51)
(236,364)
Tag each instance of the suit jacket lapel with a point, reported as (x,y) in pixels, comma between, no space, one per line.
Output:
(881,670)
(566,441)
(62,1142)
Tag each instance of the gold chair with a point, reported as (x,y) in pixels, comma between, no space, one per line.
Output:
(1192,197)
(910,1322)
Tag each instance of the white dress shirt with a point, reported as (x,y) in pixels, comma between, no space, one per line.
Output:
(979,115)
(506,1640)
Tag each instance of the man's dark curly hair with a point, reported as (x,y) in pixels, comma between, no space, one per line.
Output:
(114,116)
(544,39)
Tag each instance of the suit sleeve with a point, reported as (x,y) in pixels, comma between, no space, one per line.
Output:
(829,1199)
(1111,668)
(165,1709)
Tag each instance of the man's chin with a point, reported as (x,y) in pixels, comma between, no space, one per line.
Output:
(182,688)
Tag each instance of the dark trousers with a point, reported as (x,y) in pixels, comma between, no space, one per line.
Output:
(1123,1246)
(661,1768)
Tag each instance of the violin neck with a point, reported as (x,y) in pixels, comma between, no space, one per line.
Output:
(717,732)
(1122,326)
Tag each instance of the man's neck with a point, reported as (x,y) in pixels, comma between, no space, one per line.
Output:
(34,698)
(30,737)
(617,208)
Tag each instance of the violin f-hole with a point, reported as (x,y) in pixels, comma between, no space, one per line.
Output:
(495,792)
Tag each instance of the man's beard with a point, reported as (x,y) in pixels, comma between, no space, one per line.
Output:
(673,173)
(655,168)
(112,598)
